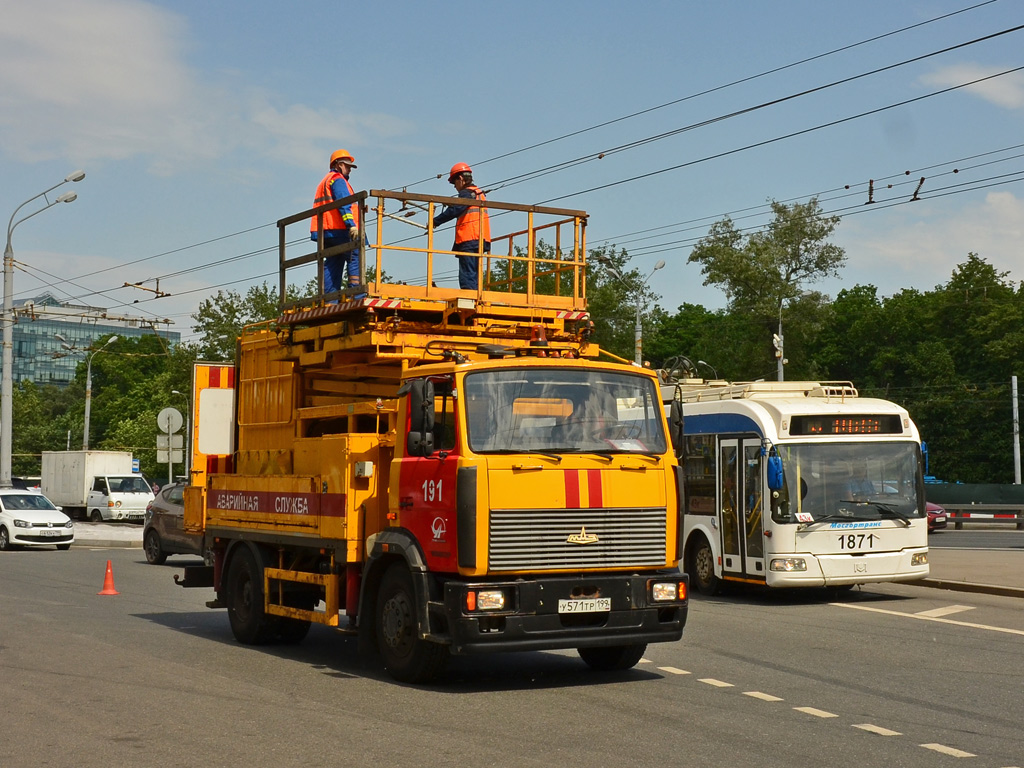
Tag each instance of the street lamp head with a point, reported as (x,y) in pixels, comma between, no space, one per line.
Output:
(60,337)
(659,265)
(75,176)
(110,341)
(67,197)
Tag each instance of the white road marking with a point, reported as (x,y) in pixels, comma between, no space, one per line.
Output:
(948,750)
(761,696)
(716,683)
(815,712)
(674,670)
(949,609)
(930,618)
(877,729)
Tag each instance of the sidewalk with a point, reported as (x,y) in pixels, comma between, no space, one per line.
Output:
(991,571)
(108,534)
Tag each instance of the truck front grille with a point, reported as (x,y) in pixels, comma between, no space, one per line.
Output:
(555,539)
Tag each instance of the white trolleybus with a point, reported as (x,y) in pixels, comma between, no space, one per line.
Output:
(798,484)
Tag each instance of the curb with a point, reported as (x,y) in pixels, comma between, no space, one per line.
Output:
(963,586)
(106,543)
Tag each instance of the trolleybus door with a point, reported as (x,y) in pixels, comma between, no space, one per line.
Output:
(741,507)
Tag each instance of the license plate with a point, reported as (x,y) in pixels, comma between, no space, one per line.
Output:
(48,532)
(585,605)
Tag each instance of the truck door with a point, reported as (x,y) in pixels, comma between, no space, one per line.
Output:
(741,507)
(98,498)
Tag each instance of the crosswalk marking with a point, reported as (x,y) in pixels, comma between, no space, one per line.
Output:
(877,729)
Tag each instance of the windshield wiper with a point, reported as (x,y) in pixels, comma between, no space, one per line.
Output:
(508,451)
(882,506)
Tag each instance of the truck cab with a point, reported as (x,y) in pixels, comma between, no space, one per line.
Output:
(118,497)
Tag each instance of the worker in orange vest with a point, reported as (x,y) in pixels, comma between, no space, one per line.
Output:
(341,225)
(472,228)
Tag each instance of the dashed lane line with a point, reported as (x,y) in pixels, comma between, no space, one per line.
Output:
(762,696)
(923,617)
(948,610)
(674,670)
(716,683)
(951,751)
(815,712)
(877,729)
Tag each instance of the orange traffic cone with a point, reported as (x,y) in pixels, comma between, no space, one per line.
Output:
(108,582)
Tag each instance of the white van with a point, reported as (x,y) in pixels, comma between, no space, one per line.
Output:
(118,497)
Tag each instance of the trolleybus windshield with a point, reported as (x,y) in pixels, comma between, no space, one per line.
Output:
(849,481)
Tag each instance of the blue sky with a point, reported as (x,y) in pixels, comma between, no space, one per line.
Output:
(197,120)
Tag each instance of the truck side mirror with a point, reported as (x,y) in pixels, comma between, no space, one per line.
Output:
(675,423)
(420,441)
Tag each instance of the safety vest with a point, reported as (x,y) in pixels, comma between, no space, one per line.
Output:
(334,220)
(474,222)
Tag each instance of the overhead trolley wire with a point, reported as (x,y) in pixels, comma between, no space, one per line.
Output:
(717,88)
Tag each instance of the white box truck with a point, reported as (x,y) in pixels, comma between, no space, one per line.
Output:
(95,485)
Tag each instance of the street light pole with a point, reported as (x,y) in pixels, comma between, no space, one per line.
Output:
(88,390)
(7,358)
(639,331)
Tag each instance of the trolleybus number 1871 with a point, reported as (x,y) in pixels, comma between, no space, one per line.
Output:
(858,540)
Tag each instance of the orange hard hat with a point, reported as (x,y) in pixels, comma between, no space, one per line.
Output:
(342,154)
(457,169)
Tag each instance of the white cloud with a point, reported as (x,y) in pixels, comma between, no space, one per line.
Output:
(109,80)
(923,252)
(1006,91)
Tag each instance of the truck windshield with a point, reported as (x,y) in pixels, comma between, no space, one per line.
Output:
(849,481)
(129,484)
(562,411)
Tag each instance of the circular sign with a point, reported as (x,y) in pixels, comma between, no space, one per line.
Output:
(169,420)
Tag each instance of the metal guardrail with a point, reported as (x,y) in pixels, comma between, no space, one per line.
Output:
(959,514)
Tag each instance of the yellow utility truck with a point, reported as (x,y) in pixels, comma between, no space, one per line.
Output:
(440,471)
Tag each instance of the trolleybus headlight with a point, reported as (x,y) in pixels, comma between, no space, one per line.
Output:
(485,600)
(789,564)
(667,591)
(920,558)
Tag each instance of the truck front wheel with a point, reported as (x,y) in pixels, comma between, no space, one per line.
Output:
(244,599)
(407,658)
(96,516)
(617,657)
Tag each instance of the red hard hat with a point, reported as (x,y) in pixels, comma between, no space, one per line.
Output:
(342,154)
(457,169)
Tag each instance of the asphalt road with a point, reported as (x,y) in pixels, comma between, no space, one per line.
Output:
(894,675)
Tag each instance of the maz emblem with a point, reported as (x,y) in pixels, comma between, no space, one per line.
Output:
(582,537)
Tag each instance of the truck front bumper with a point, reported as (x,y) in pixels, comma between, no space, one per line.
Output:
(535,616)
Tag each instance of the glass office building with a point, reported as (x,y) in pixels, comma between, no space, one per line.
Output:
(39,355)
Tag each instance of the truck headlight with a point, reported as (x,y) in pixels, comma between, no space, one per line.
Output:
(789,564)
(667,591)
(919,558)
(485,600)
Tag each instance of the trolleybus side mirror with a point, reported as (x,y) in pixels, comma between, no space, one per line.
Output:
(775,481)
(420,441)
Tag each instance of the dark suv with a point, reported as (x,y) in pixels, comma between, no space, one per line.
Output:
(164,531)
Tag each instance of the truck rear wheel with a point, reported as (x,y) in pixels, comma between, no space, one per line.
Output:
(613,658)
(244,599)
(407,658)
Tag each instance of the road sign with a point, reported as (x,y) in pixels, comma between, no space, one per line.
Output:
(177,457)
(169,420)
(165,441)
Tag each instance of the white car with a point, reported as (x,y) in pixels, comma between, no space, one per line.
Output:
(29,519)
